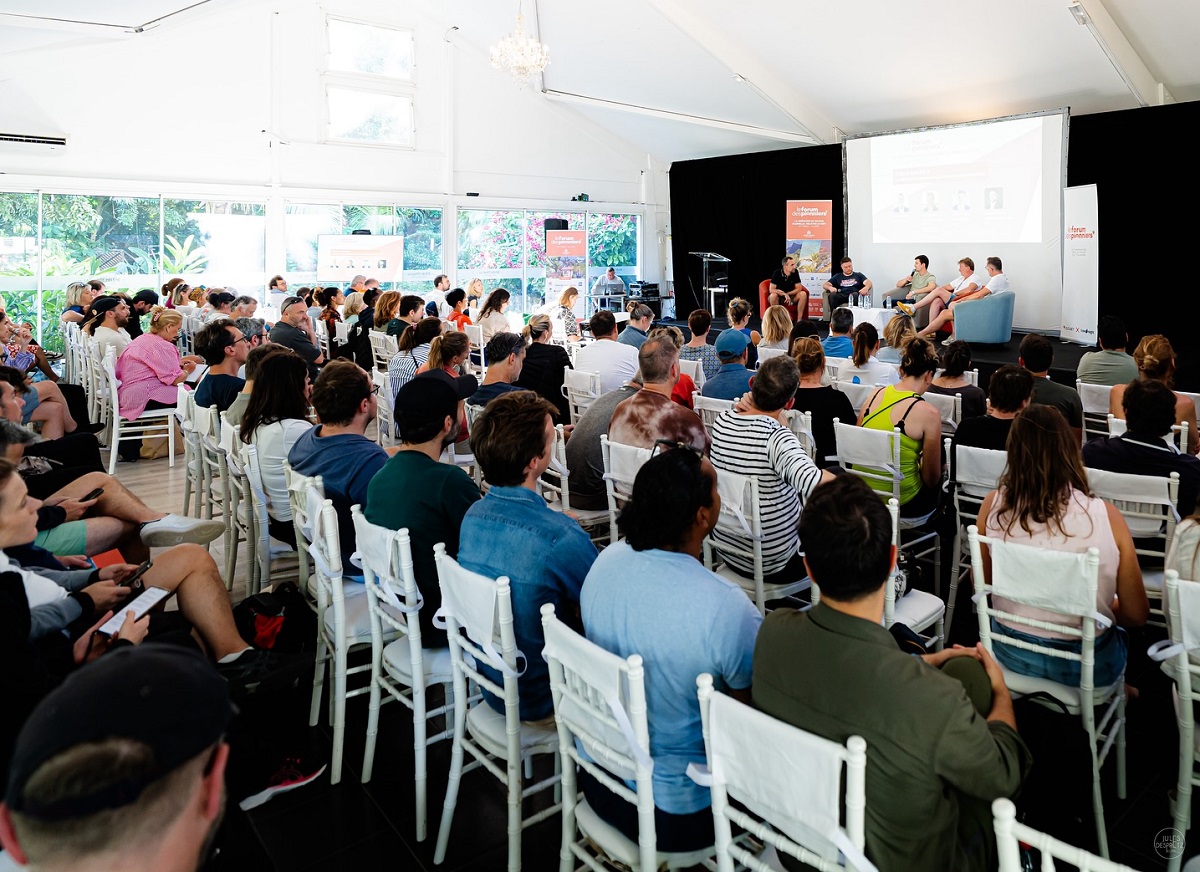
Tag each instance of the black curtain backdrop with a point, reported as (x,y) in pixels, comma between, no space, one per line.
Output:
(1141,160)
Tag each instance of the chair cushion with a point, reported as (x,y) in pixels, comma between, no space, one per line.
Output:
(1022,685)
(918,610)
(358,619)
(487,726)
(770,591)
(436,663)
(621,848)
(1152,580)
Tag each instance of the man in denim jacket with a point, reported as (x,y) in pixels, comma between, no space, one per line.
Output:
(512,532)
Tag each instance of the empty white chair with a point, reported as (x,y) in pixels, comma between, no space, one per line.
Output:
(600,700)
(975,472)
(1095,408)
(261,521)
(804,823)
(581,389)
(152,422)
(621,465)
(1010,834)
(916,609)
(393,603)
(383,348)
(193,482)
(482,609)
(385,426)
(241,510)
(1063,583)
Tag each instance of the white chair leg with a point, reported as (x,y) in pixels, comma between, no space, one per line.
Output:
(114,445)
(322,658)
(566,860)
(339,714)
(420,773)
(1121,786)
(171,443)
(515,785)
(1098,805)
(372,726)
(456,766)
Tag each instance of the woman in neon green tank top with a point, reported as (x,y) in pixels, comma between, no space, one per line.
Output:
(901,405)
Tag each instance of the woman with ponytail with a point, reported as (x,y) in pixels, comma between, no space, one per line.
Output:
(545,366)
(1155,359)
(867,369)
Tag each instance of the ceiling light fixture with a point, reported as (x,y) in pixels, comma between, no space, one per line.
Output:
(520,54)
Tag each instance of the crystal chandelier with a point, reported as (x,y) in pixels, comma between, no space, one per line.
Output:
(520,54)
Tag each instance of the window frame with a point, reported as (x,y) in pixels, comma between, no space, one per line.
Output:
(367,83)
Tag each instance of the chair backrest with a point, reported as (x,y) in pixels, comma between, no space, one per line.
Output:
(1060,582)
(1010,834)
(950,409)
(385,557)
(326,580)
(600,700)
(807,824)
(976,473)
(257,505)
(385,432)
(971,375)
(740,526)
(581,389)
(873,455)
(1095,408)
(800,423)
(694,370)
(833,365)
(341,331)
(708,408)
(383,347)
(621,465)
(1149,504)
(306,494)
(765,354)
(857,393)
(1177,438)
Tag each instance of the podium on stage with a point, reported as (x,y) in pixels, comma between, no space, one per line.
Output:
(706,258)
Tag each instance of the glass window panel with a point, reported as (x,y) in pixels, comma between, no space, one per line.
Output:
(380,220)
(423,259)
(19,260)
(224,248)
(613,240)
(371,50)
(535,251)
(370,116)
(490,247)
(302,224)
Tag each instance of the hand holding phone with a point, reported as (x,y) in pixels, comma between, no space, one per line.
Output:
(133,580)
(93,495)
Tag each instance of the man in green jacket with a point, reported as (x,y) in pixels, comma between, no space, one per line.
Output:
(941,737)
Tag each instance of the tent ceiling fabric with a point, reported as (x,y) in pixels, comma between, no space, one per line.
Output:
(814,69)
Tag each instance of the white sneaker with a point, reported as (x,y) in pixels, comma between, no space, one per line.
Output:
(176,529)
(948,339)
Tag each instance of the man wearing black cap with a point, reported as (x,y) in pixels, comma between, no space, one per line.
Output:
(415,491)
(143,301)
(122,767)
(106,324)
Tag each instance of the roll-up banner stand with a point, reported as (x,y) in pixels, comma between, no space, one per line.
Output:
(1081,266)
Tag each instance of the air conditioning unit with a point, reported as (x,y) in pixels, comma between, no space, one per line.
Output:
(30,142)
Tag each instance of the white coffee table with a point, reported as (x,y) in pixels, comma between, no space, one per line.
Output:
(878,317)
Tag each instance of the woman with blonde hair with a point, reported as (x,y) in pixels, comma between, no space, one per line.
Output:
(545,366)
(1044,500)
(79,301)
(353,305)
(896,334)
(448,352)
(474,292)
(176,291)
(820,400)
(1155,359)
(385,309)
(777,328)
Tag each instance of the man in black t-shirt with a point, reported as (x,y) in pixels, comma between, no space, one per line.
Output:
(842,287)
(1009,391)
(786,288)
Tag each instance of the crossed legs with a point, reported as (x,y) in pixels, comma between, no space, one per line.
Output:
(191,574)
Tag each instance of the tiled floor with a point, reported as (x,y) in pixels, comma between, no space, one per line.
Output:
(352,825)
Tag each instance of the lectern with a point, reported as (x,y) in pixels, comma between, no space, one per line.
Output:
(707,257)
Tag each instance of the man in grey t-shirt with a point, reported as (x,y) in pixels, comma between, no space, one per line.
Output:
(1111,365)
(584,458)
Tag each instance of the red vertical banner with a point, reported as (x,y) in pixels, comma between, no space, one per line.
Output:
(810,241)
(566,265)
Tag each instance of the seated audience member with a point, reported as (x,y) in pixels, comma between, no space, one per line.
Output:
(638,327)
(733,378)
(564,312)
(616,362)
(412,352)
(492,319)
(505,355)
(143,301)
(353,305)
(1156,361)
(844,286)
(823,402)
(1043,500)
(865,368)
(896,333)
(106,325)
(123,766)
(337,449)
(512,532)
(224,348)
(942,741)
(295,330)
(436,495)
(901,405)
(585,459)
(777,329)
(802,330)
(839,343)
(654,572)
(698,347)
(448,352)
(997,281)
(435,300)
(275,419)
(220,305)
(386,307)
(650,414)
(1009,391)
(457,301)
(69,456)
(738,312)
(754,440)
(254,360)
(1112,365)
(1142,449)
(1036,355)
(545,366)
(244,307)
(29,407)
(79,297)
(967,283)
(177,294)
(952,381)
(685,387)
(359,345)
(255,331)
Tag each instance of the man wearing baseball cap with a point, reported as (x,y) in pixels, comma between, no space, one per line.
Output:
(732,379)
(106,324)
(415,491)
(122,767)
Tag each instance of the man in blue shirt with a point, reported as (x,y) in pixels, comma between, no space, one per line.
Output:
(651,595)
(512,532)
(337,449)
(839,344)
(732,379)
(224,348)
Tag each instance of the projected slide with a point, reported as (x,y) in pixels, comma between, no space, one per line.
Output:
(979,190)
(341,258)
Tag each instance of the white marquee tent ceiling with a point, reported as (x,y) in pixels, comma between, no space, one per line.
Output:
(661,73)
